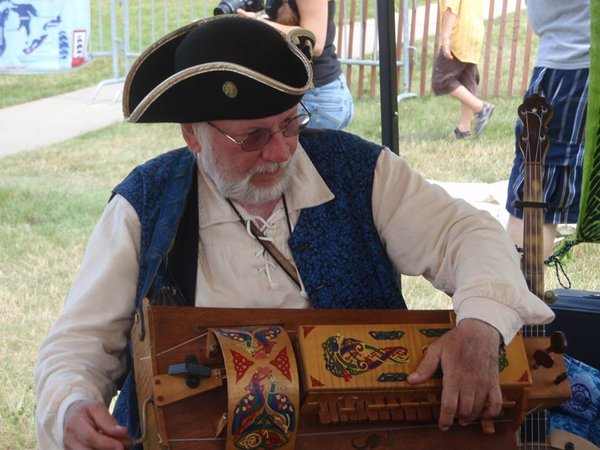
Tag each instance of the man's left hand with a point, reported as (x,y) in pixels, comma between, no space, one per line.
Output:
(468,357)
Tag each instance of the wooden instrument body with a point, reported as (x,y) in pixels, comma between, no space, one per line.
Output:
(178,417)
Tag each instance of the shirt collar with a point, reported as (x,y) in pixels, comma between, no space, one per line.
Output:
(307,190)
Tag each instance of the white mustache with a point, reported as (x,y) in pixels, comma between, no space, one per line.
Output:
(269,168)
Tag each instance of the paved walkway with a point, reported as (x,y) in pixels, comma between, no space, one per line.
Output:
(55,119)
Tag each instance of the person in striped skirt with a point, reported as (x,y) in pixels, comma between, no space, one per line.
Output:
(561,76)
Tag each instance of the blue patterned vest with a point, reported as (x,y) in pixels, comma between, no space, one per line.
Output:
(335,246)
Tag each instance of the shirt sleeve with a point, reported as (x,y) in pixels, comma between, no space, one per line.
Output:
(85,351)
(461,250)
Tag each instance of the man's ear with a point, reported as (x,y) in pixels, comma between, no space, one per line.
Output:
(187,131)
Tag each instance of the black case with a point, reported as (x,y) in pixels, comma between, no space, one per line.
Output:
(578,316)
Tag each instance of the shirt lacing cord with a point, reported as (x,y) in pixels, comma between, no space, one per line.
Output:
(269,265)
(264,225)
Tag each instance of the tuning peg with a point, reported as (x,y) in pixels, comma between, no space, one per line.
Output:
(558,343)
(550,297)
(560,378)
(542,359)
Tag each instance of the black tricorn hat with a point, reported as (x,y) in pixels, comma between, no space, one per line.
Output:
(225,67)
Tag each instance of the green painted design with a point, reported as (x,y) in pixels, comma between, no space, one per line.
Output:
(388,335)
(503,360)
(434,332)
(391,377)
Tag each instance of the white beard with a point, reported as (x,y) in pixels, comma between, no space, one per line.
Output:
(241,189)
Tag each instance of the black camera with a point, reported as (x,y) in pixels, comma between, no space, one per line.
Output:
(231,6)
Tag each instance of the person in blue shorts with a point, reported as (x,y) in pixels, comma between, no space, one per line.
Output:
(329,100)
(561,76)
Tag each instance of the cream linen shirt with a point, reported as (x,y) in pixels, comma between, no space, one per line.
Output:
(426,232)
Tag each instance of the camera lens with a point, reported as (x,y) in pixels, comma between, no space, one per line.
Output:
(222,9)
(231,6)
(228,7)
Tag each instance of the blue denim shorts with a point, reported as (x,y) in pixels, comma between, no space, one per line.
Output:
(330,105)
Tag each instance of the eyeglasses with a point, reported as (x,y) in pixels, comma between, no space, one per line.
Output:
(259,138)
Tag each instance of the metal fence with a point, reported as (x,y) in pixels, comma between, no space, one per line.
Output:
(122,29)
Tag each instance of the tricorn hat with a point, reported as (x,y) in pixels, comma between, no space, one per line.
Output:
(225,67)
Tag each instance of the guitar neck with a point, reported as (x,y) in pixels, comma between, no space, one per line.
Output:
(533,237)
(535,114)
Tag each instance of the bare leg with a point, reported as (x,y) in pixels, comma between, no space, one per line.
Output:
(515,231)
(469,104)
(466,116)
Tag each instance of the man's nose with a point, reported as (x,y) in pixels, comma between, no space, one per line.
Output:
(277,149)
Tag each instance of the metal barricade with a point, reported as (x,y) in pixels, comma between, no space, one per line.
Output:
(135,24)
(121,29)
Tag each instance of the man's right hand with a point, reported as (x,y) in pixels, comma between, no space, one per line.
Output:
(89,426)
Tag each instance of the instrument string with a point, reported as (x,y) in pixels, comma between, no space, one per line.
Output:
(175,347)
(329,433)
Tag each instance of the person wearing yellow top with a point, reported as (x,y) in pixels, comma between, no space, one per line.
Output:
(455,70)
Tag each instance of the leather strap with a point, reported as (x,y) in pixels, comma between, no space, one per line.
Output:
(283,262)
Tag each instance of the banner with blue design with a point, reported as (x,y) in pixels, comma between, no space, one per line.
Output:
(43,35)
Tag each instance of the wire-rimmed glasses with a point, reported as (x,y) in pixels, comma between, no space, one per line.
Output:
(259,138)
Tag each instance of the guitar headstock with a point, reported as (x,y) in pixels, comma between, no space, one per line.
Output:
(535,113)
